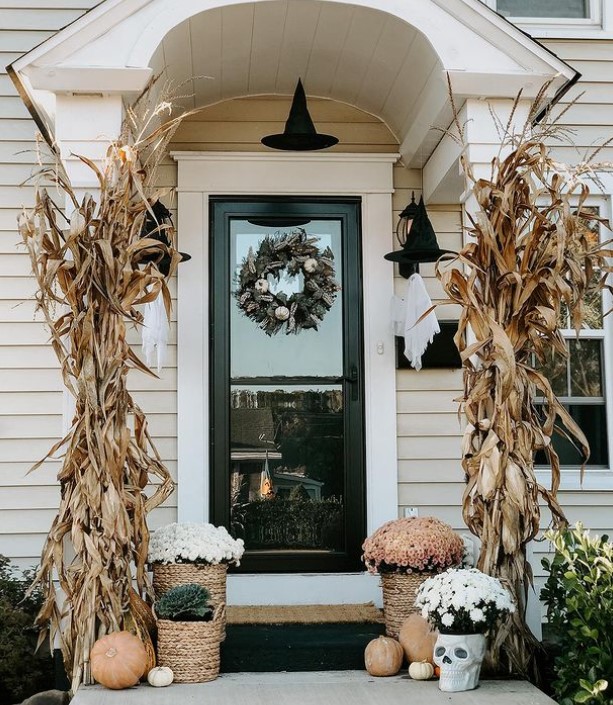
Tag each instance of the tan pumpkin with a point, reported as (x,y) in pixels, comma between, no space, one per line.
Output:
(417,639)
(118,660)
(383,657)
(421,670)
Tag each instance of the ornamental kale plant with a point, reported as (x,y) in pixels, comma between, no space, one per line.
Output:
(185,603)
(463,601)
(579,599)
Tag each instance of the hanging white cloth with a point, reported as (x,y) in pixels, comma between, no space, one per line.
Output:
(155,333)
(406,313)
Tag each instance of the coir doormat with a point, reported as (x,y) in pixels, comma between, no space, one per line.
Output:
(365,613)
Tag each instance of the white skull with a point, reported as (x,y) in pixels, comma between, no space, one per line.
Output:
(459,657)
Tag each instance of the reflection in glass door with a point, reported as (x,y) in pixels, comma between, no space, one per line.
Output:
(287,410)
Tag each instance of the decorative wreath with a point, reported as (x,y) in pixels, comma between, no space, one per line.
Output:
(293,253)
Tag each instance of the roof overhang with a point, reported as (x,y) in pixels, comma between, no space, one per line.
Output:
(109,50)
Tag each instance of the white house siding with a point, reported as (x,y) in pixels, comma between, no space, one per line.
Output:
(30,382)
(429,471)
(30,396)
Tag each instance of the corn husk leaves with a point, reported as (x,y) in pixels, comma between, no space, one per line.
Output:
(89,285)
(530,256)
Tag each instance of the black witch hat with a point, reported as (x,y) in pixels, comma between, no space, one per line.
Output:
(151,229)
(420,244)
(300,134)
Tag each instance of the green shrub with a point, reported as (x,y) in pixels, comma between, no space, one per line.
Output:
(579,599)
(185,603)
(22,672)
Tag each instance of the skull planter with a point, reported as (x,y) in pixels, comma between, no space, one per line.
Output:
(459,657)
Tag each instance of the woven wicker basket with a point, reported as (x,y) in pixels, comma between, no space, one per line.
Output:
(399,598)
(191,649)
(212,577)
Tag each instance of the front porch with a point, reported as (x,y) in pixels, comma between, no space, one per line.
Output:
(321,688)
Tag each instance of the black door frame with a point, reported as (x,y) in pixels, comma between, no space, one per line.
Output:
(348,210)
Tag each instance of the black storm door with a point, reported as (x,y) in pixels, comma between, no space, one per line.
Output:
(287,416)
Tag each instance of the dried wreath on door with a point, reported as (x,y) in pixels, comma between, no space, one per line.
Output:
(280,255)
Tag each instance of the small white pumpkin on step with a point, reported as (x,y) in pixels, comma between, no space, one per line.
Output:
(421,670)
(160,676)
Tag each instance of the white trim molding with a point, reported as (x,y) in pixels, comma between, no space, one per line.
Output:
(369,176)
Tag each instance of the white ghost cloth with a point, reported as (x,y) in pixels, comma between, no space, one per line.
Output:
(406,313)
(155,333)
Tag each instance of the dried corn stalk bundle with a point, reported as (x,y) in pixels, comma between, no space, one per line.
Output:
(90,270)
(530,257)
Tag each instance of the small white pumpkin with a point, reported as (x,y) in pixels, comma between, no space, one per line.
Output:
(160,676)
(310,265)
(421,670)
(282,313)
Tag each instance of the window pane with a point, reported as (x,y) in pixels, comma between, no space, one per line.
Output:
(555,369)
(313,352)
(544,8)
(592,420)
(586,368)
(592,302)
(287,482)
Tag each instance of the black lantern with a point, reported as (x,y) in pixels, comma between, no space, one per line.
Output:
(300,134)
(158,216)
(417,238)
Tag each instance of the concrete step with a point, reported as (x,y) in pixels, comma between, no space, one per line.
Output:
(314,688)
(296,647)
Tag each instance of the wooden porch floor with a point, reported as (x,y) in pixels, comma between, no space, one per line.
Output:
(315,688)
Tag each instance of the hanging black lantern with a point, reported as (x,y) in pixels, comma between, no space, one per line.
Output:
(417,238)
(151,229)
(300,134)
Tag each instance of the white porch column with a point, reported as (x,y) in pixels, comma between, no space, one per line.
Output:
(484,123)
(84,125)
(484,135)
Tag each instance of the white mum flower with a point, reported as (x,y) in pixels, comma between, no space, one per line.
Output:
(447,619)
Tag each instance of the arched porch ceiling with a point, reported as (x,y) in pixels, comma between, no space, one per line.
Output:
(386,57)
(350,54)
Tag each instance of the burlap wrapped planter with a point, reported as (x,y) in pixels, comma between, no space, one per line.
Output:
(191,649)
(399,592)
(212,577)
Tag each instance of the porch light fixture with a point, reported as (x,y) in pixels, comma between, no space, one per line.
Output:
(151,229)
(417,239)
(413,317)
(300,134)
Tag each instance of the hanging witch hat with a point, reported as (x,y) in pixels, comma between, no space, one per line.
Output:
(158,216)
(300,134)
(420,243)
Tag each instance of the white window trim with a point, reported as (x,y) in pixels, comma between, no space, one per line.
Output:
(370,176)
(599,25)
(594,479)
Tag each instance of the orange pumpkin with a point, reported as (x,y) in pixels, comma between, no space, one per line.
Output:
(118,660)
(383,657)
(417,640)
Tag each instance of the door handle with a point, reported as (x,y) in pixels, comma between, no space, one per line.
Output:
(352,378)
